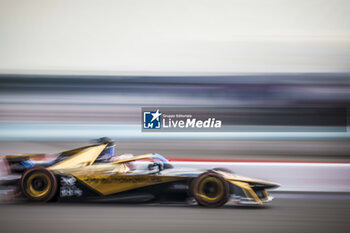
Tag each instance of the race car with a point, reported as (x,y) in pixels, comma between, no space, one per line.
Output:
(95,173)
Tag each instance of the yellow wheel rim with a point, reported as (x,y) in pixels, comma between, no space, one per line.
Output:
(211,189)
(38,185)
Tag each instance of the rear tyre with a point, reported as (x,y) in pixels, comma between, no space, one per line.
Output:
(210,190)
(38,184)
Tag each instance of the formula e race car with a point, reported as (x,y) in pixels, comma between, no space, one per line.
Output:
(94,173)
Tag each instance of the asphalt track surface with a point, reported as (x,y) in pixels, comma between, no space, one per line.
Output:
(310,214)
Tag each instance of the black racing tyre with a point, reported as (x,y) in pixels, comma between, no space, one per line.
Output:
(210,190)
(38,184)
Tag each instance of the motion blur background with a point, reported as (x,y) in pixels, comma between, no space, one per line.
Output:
(77,70)
(71,71)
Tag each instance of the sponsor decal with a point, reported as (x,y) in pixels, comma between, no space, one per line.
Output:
(108,184)
(68,187)
(121,179)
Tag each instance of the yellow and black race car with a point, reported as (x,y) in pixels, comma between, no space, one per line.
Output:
(95,173)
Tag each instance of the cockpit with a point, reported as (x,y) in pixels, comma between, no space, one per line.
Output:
(149,163)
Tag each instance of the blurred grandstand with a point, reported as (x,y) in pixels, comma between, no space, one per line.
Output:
(81,107)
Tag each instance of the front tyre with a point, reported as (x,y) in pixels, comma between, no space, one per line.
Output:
(210,190)
(38,184)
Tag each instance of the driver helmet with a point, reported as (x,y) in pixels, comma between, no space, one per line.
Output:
(109,150)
